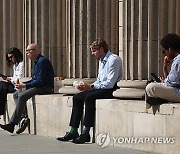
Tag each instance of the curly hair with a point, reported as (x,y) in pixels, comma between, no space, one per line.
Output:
(16,53)
(171,41)
(100,43)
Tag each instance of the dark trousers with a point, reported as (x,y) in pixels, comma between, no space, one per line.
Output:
(5,88)
(87,98)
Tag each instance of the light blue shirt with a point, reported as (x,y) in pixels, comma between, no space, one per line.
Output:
(173,78)
(110,71)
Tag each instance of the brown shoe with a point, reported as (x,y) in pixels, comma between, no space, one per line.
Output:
(23,127)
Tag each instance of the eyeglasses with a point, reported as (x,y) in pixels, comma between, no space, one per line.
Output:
(28,50)
(10,57)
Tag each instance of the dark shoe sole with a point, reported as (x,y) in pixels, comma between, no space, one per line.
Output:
(25,125)
(66,138)
(4,128)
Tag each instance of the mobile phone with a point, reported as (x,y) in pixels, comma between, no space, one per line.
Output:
(154,76)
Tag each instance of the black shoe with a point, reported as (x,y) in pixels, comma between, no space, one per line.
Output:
(68,136)
(82,139)
(155,101)
(8,127)
(23,124)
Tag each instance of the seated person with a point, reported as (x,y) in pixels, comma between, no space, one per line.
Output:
(169,89)
(13,57)
(110,72)
(42,82)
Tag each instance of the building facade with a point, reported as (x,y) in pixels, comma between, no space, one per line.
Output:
(64,29)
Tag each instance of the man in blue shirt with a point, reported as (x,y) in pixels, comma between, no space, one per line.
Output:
(169,89)
(42,82)
(110,72)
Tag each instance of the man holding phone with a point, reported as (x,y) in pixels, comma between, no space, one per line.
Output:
(169,89)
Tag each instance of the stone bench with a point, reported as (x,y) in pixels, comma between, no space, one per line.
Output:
(129,118)
(49,114)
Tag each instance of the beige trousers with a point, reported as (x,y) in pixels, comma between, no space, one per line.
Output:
(165,92)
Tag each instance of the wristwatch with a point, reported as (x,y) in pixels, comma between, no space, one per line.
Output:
(92,86)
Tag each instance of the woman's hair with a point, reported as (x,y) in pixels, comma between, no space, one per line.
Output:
(100,43)
(16,53)
(171,41)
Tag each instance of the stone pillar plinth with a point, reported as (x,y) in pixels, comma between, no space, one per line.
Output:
(130,89)
(68,87)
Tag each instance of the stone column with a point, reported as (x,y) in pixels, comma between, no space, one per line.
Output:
(6,32)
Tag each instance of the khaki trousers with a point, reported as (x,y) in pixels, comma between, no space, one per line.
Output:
(159,90)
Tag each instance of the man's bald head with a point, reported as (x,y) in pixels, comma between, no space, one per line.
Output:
(32,51)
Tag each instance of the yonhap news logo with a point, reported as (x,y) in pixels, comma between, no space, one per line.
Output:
(104,139)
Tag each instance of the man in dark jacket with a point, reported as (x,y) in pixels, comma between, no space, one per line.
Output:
(42,82)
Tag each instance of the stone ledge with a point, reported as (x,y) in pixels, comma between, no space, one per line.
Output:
(132,84)
(129,118)
(69,82)
(68,90)
(129,93)
(50,116)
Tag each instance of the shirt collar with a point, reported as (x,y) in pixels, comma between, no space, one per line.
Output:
(106,57)
(176,57)
(37,58)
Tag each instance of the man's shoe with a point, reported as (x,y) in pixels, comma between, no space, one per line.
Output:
(68,136)
(82,139)
(8,127)
(23,124)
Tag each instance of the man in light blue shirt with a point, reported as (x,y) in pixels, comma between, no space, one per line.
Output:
(110,72)
(169,89)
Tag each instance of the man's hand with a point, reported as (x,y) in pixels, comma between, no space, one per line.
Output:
(20,85)
(165,66)
(83,86)
(161,78)
(166,61)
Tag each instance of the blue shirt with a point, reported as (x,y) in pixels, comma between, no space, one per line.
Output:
(110,71)
(173,78)
(43,74)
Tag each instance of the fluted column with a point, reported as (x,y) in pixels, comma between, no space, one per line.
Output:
(144,24)
(177,17)
(1,32)
(6,32)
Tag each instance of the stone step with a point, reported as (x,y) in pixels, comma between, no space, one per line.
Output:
(132,84)
(69,82)
(68,90)
(129,93)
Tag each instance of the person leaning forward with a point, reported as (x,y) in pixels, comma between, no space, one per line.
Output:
(110,72)
(42,82)
(169,88)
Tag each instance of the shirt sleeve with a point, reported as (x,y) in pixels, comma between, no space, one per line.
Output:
(173,79)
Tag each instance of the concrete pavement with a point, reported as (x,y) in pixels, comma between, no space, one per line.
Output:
(34,144)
